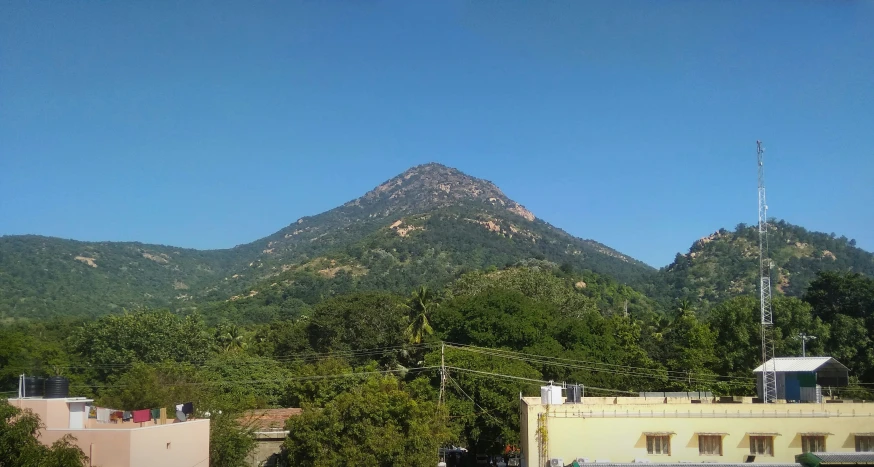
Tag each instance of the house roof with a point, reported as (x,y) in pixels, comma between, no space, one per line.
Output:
(268,419)
(792,364)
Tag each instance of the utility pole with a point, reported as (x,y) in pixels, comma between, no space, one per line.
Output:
(442,373)
(441,458)
(769,372)
(804,338)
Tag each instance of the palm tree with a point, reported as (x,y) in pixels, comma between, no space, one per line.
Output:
(232,339)
(685,307)
(421,305)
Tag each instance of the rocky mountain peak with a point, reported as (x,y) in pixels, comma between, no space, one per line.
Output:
(433,185)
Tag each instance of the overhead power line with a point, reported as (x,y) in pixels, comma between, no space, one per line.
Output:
(585,362)
(291,358)
(277,380)
(532,380)
(472,400)
(614,369)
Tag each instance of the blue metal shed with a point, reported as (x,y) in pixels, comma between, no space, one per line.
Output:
(801,379)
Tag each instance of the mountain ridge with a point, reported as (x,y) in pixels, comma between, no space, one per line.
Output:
(462,221)
(427,225)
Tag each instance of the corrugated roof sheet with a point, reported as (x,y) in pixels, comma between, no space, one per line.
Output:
(787,364)
(680,464)
(269,419)
(845,457)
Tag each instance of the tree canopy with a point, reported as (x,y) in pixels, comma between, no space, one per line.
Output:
(366,354)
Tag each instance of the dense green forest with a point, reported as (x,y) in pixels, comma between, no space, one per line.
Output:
(42,277)
(375,353)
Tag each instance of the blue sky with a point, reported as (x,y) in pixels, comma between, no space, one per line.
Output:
(210,124)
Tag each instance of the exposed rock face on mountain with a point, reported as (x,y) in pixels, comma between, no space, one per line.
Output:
(432,186)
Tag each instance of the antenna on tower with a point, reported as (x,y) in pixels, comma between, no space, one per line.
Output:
(769,367)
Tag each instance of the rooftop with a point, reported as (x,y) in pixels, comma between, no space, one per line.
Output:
(789,364)
(264,420)
(730,403)
(64,399)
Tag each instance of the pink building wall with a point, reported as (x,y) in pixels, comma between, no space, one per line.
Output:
(105,448)
(183,444)
(54,413)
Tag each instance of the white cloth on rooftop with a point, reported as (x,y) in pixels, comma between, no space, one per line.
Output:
(103,415)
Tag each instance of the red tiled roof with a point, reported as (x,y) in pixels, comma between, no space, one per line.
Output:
(268,419)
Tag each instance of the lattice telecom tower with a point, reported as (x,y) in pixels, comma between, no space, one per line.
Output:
(769,370)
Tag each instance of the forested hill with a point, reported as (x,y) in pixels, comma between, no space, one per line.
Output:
(45,276)
(425,226)
(725,264)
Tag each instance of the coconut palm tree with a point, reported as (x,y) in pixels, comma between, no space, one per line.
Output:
(232,339)
(421,305)
(685,307)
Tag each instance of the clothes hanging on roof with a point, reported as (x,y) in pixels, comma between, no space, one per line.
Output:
(140,416)
(102,415)
(188,408)
(180,416)
(156,414)
(126,415)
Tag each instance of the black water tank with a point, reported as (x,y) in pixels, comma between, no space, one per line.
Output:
(57,387)
(33,386)
(574,394)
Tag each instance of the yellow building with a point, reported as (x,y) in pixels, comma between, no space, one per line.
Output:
(679,430)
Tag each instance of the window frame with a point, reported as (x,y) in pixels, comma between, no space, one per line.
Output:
(717,438)
(868,439)
(769,445)
(664,441)
(807,440)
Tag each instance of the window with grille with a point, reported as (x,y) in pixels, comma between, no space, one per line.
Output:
(864,443)
(658,444)
(762,445)
(813,444)
(710,445)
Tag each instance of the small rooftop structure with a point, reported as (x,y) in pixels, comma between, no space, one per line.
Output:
(802,378)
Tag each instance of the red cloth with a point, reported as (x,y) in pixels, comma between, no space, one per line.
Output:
(142,415)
